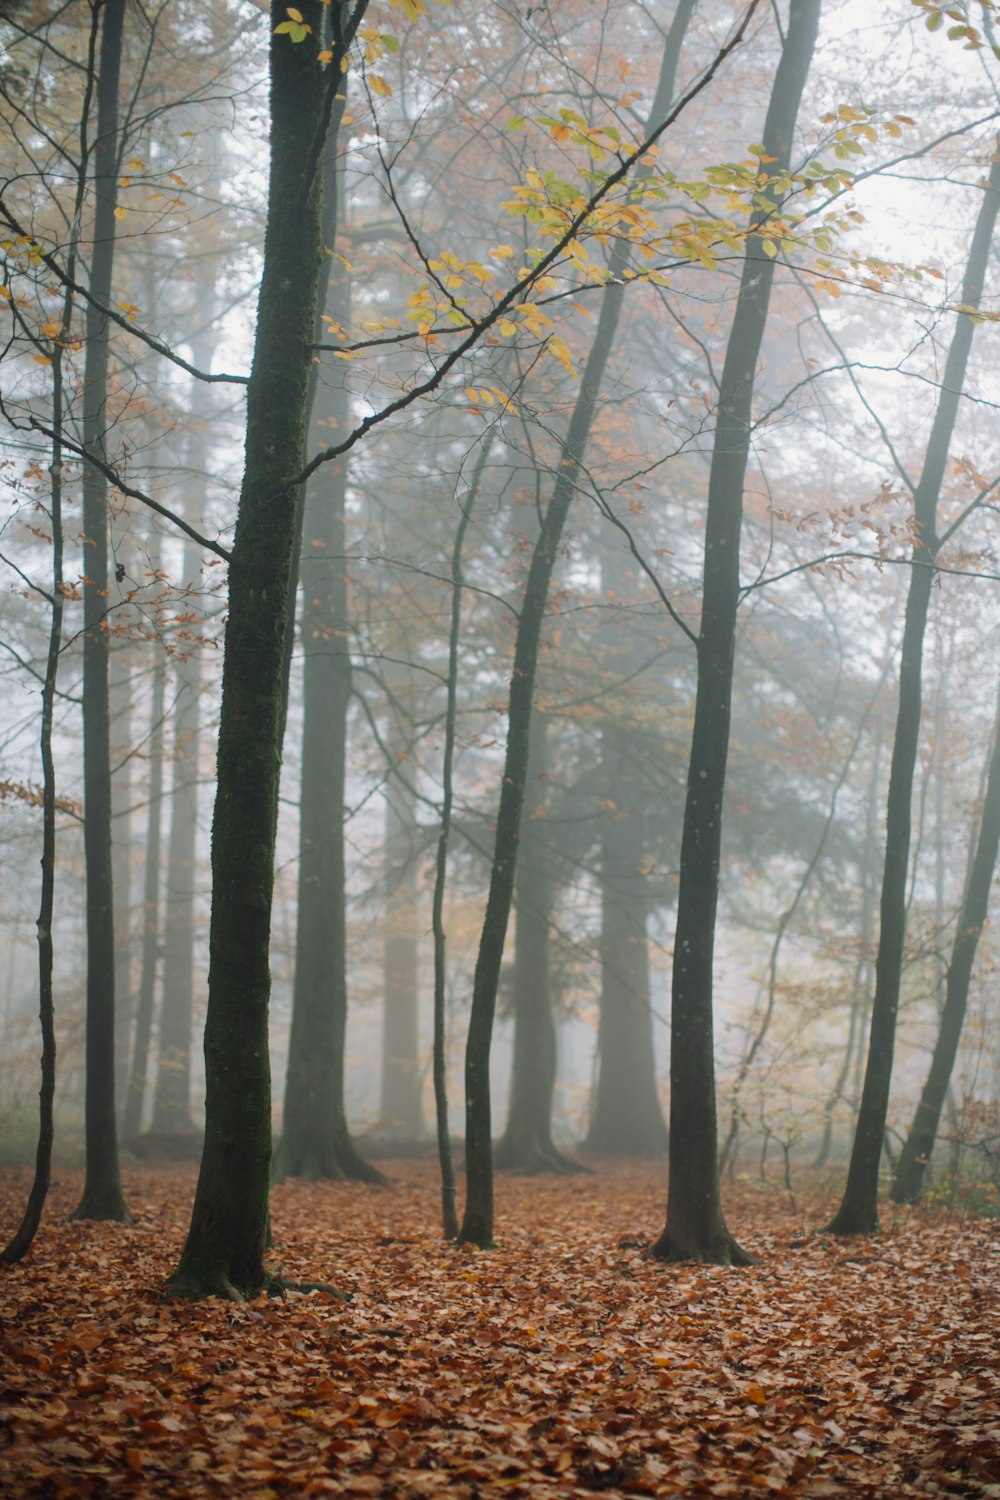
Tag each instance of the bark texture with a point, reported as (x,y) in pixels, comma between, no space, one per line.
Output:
(223,1255)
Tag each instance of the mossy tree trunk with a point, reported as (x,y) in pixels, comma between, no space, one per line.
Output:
(858,1211)
(102,1193)
(695,1227)
(224,1252)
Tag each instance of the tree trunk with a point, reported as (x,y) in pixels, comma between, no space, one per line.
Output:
(172,1100)
(695,1227)
(401,1116)
(916,1154)
(527,1144)
(119,702)
(627,1118)
(477,1223)
(22,1239)
(136,1084)
(224,1252)
(102,1193)
(858,1211)
(315,1139)
(862,972)
(449,1214)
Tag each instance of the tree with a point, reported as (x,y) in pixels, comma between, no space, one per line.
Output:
(858,1210)
(401,1078)
(914,1159)
(223,1255)
(527,1143)
(695,1227)
(477,1223)
(102,1193)
(316,1141)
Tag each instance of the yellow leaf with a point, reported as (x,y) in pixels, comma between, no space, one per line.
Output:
(176,177)
(296,15)
(51,330)
(756,1393)
(120,212)
(380,86)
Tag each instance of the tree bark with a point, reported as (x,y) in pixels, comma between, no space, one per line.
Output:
(224,1252)
(858,1211)
(315,1138)
(102,1193)
(695,1227)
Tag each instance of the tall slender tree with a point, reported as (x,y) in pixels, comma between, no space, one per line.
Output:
(695,1227)
(224,1251)
(914,1159)
(316,1141)
(477,1223)
(858,1211)
(102,1192)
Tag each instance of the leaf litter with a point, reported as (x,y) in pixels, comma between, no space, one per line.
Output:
(563,1363)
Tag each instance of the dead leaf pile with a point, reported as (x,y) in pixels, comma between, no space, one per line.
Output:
(564,1363)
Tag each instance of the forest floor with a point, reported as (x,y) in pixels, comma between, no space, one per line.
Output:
(563,1363)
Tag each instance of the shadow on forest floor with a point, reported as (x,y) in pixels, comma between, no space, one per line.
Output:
(563,1363)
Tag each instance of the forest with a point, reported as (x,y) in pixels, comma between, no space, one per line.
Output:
(499,756)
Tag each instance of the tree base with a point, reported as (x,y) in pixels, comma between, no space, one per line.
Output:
(476,1231)
(102,1204)
(849,1221)
(531,1158)
(333,1163)
(722,1251)
(193,1286)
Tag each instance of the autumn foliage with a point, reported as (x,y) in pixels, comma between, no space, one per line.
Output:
(563,1363)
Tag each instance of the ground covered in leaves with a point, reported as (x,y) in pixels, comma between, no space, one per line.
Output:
(564,1363)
